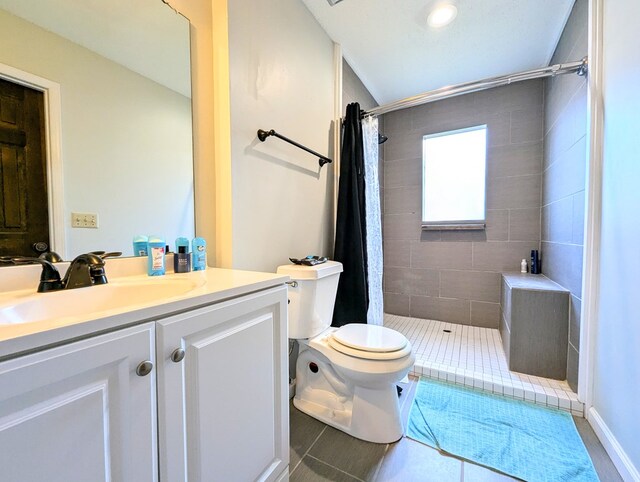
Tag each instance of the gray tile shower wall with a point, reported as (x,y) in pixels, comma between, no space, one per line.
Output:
(563,180)
(449,275)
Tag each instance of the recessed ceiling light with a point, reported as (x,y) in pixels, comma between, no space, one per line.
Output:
(442,15)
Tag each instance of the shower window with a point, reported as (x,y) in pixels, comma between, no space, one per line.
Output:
(453,179)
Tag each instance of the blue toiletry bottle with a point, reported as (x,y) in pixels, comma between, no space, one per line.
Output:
(199,254)
(156,263)
(140,245)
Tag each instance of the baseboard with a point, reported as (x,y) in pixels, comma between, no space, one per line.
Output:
(627,470)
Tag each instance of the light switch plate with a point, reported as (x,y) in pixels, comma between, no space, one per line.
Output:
(84,220)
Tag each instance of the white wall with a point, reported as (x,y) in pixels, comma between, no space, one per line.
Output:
(112,118)
(282,78)
(617,364)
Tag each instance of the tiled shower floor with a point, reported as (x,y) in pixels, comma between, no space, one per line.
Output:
(473,356)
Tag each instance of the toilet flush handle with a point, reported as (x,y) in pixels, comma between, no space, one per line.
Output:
(293,284)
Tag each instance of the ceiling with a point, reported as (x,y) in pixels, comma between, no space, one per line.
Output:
(145,36)
(396,55)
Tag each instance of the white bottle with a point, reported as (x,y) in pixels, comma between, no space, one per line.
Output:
(523,266)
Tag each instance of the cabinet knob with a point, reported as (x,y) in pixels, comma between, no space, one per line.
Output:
(177,355)
(144,368)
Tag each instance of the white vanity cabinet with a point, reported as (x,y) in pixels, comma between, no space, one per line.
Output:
(80,412)
(200,396)
(223,391)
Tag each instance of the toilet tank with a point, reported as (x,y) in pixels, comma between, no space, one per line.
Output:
(311,297)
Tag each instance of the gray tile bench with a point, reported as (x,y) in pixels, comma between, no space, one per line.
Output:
(534,325)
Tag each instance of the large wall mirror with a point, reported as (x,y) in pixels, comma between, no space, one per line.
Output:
(95,118)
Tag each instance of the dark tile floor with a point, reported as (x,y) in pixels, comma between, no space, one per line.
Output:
(321,453)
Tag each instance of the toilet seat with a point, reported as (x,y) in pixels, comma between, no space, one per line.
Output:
(359,361)
(369,342)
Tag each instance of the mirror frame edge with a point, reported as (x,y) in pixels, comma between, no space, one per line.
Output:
(211,113)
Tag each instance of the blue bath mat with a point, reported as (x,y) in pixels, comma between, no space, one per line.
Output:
(526,441)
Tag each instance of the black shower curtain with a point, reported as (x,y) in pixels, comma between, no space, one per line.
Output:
(352,300)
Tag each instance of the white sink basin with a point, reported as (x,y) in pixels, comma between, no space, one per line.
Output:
(33,307)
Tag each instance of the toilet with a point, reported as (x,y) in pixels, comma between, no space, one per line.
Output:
(345,377)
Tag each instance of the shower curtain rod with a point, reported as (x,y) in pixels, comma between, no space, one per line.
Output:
(579,67)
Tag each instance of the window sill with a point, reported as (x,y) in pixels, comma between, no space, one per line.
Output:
(477,226)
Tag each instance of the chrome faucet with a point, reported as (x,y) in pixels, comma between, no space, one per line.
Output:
(85,270)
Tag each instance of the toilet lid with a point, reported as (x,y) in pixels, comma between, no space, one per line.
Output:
(370,342)
(370,337)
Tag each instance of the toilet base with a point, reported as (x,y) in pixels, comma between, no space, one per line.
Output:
(373,422)
(367,413)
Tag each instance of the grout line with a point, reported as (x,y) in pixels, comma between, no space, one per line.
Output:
(307,452)
(335,468)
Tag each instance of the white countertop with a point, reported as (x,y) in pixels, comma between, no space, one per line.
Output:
(212,285)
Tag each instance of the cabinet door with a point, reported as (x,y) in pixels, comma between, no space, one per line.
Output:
(223,409)
(79,412)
